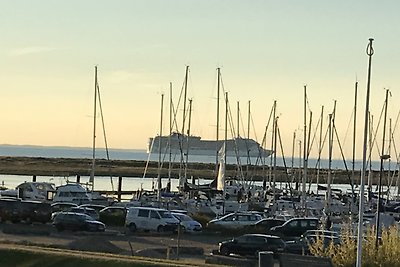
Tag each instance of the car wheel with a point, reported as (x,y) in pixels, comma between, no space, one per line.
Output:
(224,251)
(160,229)
(132,227)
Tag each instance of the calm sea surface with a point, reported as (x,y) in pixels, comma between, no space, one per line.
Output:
(104,183)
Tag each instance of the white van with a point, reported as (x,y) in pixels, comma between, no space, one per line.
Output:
(150,219)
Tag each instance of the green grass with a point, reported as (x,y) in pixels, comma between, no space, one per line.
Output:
(20,256)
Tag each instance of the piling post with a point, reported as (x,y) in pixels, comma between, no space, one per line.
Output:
(119,188)
(34,178)
(78,178)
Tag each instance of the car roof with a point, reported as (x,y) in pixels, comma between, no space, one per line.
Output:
(64,204)
(263,235)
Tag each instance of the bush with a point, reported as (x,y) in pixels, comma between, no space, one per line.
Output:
(344,254)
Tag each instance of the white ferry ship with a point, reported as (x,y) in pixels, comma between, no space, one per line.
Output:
(194,145)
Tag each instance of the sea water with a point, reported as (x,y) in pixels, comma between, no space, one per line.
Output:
(137,183)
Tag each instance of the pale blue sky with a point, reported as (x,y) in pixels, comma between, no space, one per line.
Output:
(267,51)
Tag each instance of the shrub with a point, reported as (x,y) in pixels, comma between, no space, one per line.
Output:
(344,254)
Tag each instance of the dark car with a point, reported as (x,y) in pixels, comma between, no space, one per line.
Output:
(35,211)
(10,209)
(113,215)
(264,225)
(62,206)
(302,245)
(295,227)
(251,244)
(77,221)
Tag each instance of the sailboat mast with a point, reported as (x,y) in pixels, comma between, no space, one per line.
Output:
(217,132)
(94,129)
(238,120)
(354,142)
(370,52)
(330,143)
(159,186)
(188,135)
(272,144)
(248,139)
(320,147)
(305,150)
(226,128)
(383,157)
(170,133)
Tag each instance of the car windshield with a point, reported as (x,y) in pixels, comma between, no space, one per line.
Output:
(183,217)
(165,214)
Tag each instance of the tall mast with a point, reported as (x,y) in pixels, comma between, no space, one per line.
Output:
(170,133)
(238,120)
(224,146)
(181,182)
(188,135)
(383,157)
(354,142)
(247,141)
(217,133)
(272,143)
(274,175)
(370,52)
(184,100)
(320,146)
(293,150)
(91,180)
(159,186)
(305,151)
(330,143)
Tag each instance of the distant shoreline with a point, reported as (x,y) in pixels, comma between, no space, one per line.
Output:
(41,166)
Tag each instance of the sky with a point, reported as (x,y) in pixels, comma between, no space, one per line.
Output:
(267,51)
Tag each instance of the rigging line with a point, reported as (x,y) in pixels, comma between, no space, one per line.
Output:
(397,120)
(307,101)
(104,134)
(348,127)
(284,159)
(308,137)
(377,128)
(315,132)
(344,159)
(322,146)
(232,130)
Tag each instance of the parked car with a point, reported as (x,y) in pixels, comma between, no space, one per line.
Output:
(34,211)
(302,246)
(91,212)
(263,226)
(113,215)
(320,233)
(251,244)
(58,207)
(234,221)
(295,227)
(187,223)
(9,209)
(62,206)
(150,219)
(16,210)
(96,207)
(77,221)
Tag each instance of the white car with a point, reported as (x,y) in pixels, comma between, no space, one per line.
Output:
(235,220)
(187,223)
